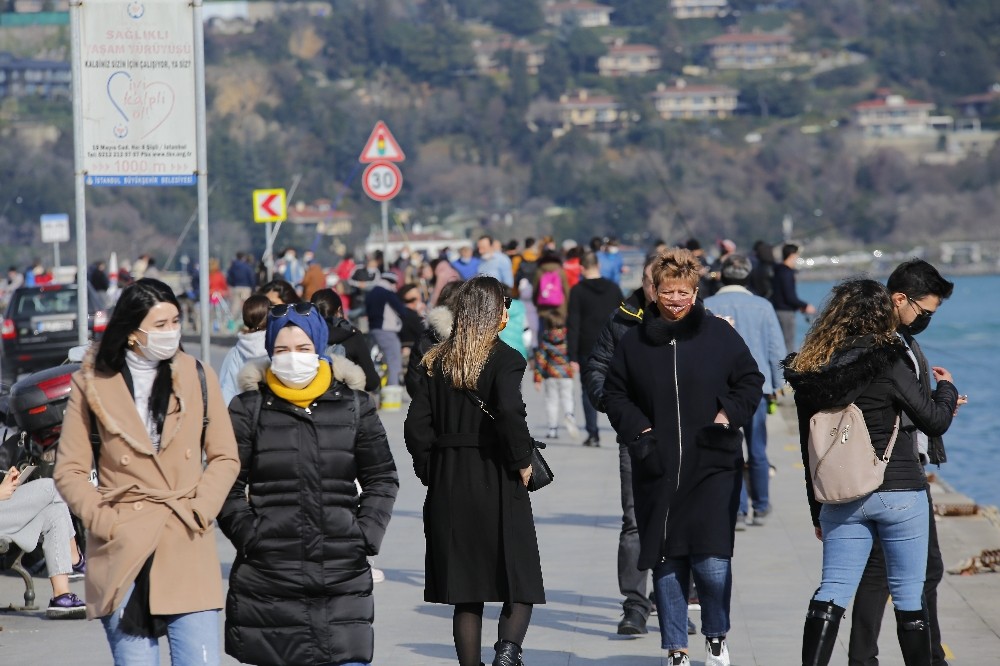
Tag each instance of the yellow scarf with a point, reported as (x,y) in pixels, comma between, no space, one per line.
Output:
(304,396)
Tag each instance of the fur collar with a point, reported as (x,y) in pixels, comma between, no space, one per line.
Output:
(251,375)
(660,332)
(440,321)
(849,372)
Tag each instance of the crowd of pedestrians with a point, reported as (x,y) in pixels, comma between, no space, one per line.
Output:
(300,477)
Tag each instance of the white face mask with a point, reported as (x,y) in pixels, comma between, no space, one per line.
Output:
(160,345)
(295,369)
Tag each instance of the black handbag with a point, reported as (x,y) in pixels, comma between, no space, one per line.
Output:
(541,473)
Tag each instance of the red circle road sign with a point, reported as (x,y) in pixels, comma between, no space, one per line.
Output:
(382,180)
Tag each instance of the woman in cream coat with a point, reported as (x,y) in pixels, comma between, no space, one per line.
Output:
(152,565)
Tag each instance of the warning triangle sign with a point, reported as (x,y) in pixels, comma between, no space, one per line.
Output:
(381,146)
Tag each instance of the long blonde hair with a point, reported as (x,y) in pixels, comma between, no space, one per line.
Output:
(856,307)
(477,308)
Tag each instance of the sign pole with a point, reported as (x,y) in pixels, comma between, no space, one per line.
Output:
(202,149)
(269,250)
(78,175)
(55,251)
(385,236)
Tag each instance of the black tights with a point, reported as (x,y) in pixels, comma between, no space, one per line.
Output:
(467,628)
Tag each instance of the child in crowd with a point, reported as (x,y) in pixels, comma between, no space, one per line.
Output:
(552,367)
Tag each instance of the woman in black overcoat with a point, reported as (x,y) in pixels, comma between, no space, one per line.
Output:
(678,387)
(480,532)
(300,590)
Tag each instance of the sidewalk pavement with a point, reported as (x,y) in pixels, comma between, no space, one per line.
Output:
(776,570)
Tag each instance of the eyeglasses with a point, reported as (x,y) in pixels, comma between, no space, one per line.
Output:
(921,311)
(282,309)
(507,300)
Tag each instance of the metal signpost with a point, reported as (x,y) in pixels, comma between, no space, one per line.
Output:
(269,206)
(139,111)
(382,179)
(55,230)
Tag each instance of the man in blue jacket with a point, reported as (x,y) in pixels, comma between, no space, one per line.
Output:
(755,320)
(784,297)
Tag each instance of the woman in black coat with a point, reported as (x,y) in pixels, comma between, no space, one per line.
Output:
(300,590)
(675,384)
(852,354)
(480,532)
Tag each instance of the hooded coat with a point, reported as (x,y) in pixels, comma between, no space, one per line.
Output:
(300,589)
(881,381)
(148,502)
(248,345)
(439,323)
(674,377)
(478,524)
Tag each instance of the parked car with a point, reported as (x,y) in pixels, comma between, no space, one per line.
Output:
(39,327)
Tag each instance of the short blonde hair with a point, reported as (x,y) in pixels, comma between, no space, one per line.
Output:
(676,264)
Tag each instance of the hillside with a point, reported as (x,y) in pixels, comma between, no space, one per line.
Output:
(488,141)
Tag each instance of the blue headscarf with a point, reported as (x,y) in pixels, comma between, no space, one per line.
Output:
(312,323)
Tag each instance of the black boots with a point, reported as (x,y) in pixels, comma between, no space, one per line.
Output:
(914,632)
(508,654)
(820,632)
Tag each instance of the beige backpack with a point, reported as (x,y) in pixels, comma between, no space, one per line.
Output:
(843,464)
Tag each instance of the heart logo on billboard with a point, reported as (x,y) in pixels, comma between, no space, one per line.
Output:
(148,104)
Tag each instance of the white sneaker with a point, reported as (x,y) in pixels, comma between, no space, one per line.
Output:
(378,576)
(677,659)
(571,428)
(716,652)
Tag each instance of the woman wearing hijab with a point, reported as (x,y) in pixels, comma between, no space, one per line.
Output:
(300,590)
(480,532)
(165,459)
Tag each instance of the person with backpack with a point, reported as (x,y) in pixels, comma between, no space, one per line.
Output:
(300,590)
(550,290)
(151,420)
(852,357)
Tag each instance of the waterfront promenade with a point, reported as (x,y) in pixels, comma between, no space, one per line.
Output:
(776,569)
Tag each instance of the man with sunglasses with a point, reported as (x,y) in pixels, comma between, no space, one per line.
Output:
(917,290)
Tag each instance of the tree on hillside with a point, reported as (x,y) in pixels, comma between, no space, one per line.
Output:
(643,13)
(554,74)
(584,48)
(520,17)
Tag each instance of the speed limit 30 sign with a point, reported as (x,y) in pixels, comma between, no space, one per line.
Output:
(382,180)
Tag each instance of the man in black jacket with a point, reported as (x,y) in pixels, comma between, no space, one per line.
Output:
(917,290)
(590,302)
(785,299)
(631,581)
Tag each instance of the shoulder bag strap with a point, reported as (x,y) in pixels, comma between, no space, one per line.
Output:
(892,441)
(205,420)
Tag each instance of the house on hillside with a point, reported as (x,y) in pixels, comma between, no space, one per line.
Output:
(749,50)
(592,112)
(579,14)
(690,9)
(891,115)
(485,54)
(629,60)
(26,77)
(975,106)
(684,101)
(328,221)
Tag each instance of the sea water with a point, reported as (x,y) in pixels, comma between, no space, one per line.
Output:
(964,338)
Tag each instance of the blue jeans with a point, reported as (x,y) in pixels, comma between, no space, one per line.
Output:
(193,640)
(900,519)
(713,576)
(759,469)
(388,341)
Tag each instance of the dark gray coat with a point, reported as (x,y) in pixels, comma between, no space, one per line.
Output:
(478,525)
(300,590)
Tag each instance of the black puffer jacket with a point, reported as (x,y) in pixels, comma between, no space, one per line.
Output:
(356,350)
(300,590)
(595,370)
(880,380)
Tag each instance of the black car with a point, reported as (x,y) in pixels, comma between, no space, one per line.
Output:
(39,327)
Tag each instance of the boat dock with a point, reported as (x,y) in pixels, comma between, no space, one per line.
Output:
(776,570)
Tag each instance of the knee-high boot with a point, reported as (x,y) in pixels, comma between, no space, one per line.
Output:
(914,632)
(508,654)
(820,632)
